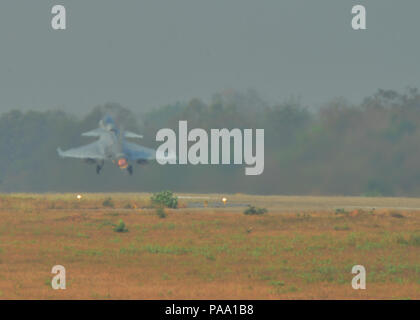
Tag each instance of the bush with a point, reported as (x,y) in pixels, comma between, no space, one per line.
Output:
(165,199)
(402,240)
(340,211)
(160,213)
(120,227)
(108,203)
(415,240)
(397,215)
(251,210)
(342,228)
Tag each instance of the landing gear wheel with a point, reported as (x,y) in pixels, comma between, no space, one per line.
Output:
(99,166)
(130,170)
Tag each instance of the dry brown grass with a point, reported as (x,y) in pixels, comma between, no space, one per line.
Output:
(302,249)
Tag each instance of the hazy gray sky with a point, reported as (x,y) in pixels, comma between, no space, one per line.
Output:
(143,54)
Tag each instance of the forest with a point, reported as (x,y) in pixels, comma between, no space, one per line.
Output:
(340,148)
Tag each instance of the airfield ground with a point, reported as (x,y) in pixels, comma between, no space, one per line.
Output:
(303,248)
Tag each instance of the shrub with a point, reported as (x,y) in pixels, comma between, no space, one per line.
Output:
(402,240)
(277,283)
(160,213)
(415,240)
(120,227)
(165,199)
(340,211)
(397,215)
(251,210)
(342,228)
(108,203)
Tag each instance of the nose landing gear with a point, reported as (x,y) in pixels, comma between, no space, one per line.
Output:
(130,170)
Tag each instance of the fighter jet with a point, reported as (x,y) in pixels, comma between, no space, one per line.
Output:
(111,145)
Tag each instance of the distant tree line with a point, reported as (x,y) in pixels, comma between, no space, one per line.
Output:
(371,148)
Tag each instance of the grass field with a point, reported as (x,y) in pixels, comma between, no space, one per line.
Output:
(303,248)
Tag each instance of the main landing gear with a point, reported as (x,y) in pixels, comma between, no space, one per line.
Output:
(130,169)
(99,167)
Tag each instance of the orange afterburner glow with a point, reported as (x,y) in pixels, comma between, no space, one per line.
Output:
(122,163)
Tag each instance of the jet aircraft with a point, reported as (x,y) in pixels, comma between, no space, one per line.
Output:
(111,145)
